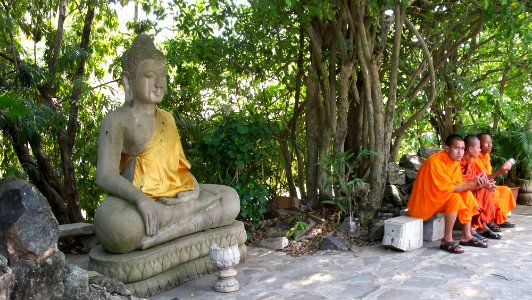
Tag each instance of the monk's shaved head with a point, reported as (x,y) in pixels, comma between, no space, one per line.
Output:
(483,135)
(471,140)
(486,143)
(453,138)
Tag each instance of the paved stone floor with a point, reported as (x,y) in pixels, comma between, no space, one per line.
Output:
(502,271)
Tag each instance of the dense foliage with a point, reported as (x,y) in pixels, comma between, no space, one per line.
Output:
(265,92)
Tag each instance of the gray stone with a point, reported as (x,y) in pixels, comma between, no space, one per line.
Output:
(396,175)
(403,233)
(278,243)
(427,151)
(331,242)
(110,285)
(409,161)
(410,176)
(28,227)
(393,196)
(40,279)
(349,226)
(3,260)
(76,283)
(376,232)
(75,229)
(7,282)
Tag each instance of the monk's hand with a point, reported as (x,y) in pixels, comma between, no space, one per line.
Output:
(481,179)
(148,210)
(491,186)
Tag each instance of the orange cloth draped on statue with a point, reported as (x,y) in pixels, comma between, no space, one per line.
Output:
(471,168)
(504,199)
(433,190)
(161,169)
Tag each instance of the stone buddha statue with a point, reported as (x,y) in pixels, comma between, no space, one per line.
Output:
(153,197)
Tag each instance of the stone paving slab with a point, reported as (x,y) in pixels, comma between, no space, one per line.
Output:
(502,271)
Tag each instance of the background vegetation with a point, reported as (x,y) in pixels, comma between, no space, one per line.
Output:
(264,92)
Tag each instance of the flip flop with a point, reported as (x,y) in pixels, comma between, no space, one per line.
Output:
(490,235)
(452,247)
(474,242)
(478,236)
(494,227)
(507,224)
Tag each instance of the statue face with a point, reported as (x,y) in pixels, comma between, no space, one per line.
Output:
(149,84)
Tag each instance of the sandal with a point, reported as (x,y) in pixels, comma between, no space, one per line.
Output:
(490,235)
(474,242)
(507,224)
(452,247)
(478,236)
(494,227)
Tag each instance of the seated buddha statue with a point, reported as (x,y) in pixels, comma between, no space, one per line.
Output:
(153,197)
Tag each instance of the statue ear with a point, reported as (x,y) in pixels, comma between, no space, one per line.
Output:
(127,87)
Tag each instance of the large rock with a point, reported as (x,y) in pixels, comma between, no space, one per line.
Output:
(331,242)
(410,175)
(28,228)
(349,226)
(40,279)
(427,151)
(393,195)
(76,283)
(396,175)
(409,161)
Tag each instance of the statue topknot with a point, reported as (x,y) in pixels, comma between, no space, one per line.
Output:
(142,49)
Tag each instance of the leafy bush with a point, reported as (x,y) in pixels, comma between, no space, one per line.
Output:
(236,149)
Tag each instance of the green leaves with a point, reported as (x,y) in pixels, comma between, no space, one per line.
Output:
(11,107)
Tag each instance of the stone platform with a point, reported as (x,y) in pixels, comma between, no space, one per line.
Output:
(151,271)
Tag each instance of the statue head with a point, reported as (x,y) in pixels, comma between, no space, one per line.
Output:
(142,56)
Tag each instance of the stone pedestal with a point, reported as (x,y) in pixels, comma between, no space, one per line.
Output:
(403,233)
(154,270)
(434,228)
(225,259)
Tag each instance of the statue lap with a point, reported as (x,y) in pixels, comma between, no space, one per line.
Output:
(120,228)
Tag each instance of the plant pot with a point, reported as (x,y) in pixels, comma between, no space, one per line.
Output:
(515,191)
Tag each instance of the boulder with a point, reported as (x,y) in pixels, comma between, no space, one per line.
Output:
(396,175)
(427,151)
(278,243)
(409,161)
(331,242)
(349,226)
(76,283)
(376,231)
(28,228)
(410,175)
(393,195)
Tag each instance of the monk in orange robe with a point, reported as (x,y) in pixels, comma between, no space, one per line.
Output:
(439,188)
(471,167)
(504,199)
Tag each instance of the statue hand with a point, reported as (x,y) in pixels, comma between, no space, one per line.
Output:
(172,201)
(148,211)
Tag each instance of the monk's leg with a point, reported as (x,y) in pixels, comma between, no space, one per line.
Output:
(466,232)
(449,224)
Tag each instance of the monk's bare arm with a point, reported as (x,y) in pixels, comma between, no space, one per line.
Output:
(479,182)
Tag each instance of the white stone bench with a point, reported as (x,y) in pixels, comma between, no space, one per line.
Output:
(403,233)
(407,233)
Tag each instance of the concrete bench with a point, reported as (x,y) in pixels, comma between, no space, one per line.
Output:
(75,229)
(407,233)
(403,233)
(83,232)
(433,228)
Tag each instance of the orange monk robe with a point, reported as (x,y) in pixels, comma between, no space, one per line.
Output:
(433,190)
(471,168)
(504,199)
(161,169)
